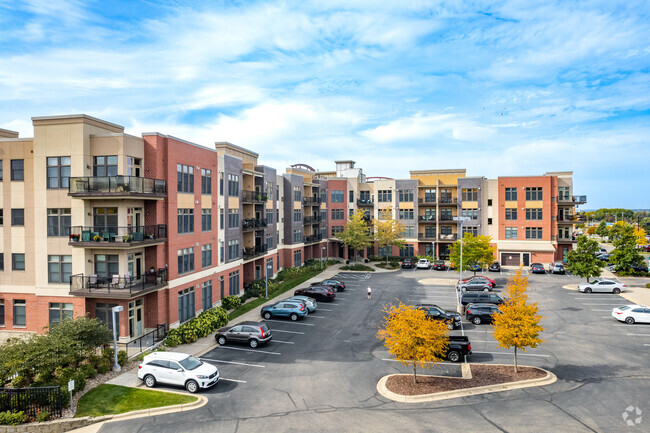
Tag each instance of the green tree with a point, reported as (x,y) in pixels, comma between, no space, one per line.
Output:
(388,232)
(602,230)
(356,233)
(582,260)
(87,333)
(625,253)
(518,324)
(412,338)
(476,252)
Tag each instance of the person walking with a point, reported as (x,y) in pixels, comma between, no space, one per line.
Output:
(369,292)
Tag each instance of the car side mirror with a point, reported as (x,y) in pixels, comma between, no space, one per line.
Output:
(180,370)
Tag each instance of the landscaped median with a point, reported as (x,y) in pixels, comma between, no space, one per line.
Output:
(476,379)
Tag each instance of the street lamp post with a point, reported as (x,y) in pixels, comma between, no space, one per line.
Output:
(268,268)
(321,257)
(460,270)
(116,366)
(433,249)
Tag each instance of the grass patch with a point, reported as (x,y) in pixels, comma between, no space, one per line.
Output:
(113,399)
(391,265)
(357,268)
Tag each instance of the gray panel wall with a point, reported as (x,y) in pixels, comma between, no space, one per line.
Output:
(232,165)
(471,182)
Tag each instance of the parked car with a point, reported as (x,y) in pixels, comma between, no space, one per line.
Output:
(495,267)
(602,285)
(436,313)
(251,333)
(311,303)
(337,285)
(320,293)
(481,313)
(458,347)
(301,301)
(179,369)
(292,310)
(558,268)
(537,268)
(408,263)
(601,251)
(604,257)
(475,268)
(439,265)
(475,285)
(481,297)
(631,314)
(641,269)
(423,264)
(481,278)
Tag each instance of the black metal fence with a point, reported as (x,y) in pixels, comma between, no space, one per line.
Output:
(147,340)
(32,400)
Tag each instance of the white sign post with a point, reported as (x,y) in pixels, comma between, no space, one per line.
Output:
(70,389)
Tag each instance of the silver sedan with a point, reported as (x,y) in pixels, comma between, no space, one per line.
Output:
(602,286)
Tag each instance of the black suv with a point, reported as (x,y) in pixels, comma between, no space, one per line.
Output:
(251,333)
(481,297)
(481,313)
(408,264)
(337,285)
(439,265)
(437,313)
(320,293)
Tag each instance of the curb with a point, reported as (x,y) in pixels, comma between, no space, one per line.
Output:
(508,386)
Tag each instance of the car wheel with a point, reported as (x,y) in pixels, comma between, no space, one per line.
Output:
(450,326)
(293,317)
(221,340)
(629,320)
(476,320)
(192,386)
(267,315)
(616,291)
(486,289)
(453,356)
(252,343)
(150,381)
(588,290)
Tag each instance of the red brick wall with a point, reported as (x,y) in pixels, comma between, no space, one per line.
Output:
(37,310)
(548,229)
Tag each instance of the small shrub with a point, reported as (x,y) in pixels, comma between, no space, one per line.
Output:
(347,262)
(108,352)
(358,267)
(88,371)
(42,416)
(79,382)
(231,302)
(122,357)
(647,285)
(142,355)
(104,365)
(94,360)
(20,382)
(10,418)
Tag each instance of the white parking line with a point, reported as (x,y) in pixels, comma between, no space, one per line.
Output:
(322,309)
(293,323)
(283,342)
(439,362)
(288,332)
(600,310)
(341,299)
(610,303)
(234,380)
(248,350)
(317,317)
(640,335)
(596,298)
(510,354)
(233,362)
(332,303)
(646,344)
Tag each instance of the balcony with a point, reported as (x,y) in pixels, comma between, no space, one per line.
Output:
(448,200)
(566,219)
(365,202)
(565,239)
(312,238)
(315,219)
(573,200)
(116,187)
(253,224)
(117,237)
(253,197)
(117,286)
(447,218)
(427,218)
(427,201)
(427,236)
(451,237)
(256,251)
(311,201)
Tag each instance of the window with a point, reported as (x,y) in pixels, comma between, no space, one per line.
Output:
(185,304)
(563,193)
(222,252)
(1,176)
(1,217)
(233,218)
(430,214)
(104,217)
(351,212)
(233,283)
(384,196)
(489,221)
(185,221)
(105,165)
(323,196)
(489,202)
(429,231)
(533,233)
(184,178)
(406,214)
(351,194)
(323,215)
(104,312)
(58,222)
(220,183)
(269,217)
(18,262)
(406,195)
(206,220)
(430,195)
(17,217)
(337,229)
(206,295)
(534,193)
(323,232)
(58,172)
(233,249)
(446,215)
(297,216)
(269,242)
(337,196)
(446,196)
(297,193)
(20,312)
(470,213)
(469,194)
(297,236)
(233,185)
(59,269)
(206,181)
(221,218)
(297,258)
(185,260)
(511,213)
(407,251)
(206,255)
(17,169)
(511,194)
(2,261)
(2,312)
(533,214)
(59,311)
(107,265)
(472,230)
(445,230)
(338,214)
(407,232)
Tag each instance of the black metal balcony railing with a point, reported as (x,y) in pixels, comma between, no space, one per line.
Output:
(451,237)
(565,239)
(427,200)
(565,218)
(116,185)
(314,219)
(365,202)
(446,218)
(253,197)
(576,199)
(116,285)
(426,236)
(447,200)
(117,236)
(427,218)
(253,223)
(311,201)
(312,238)
(255,251)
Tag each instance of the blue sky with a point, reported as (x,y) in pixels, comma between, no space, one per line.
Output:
(499,88)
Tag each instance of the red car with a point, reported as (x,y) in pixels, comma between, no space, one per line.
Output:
(481,277)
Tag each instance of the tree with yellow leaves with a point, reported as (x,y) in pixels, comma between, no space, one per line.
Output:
(388,232)
(518,324)
(640,236)
(356,233)
(412,338)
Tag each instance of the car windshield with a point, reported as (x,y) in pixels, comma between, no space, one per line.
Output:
(190,363)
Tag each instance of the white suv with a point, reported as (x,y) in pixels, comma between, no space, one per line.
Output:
(423,264)
(179,369)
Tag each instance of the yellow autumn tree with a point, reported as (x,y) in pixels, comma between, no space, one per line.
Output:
(640,236)
(388,232)
(412,338)
(518,324)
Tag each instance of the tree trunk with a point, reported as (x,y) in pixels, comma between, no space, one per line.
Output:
(516,372)
(415,377)
(386,259)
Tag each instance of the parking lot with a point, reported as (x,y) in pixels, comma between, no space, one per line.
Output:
(320,373)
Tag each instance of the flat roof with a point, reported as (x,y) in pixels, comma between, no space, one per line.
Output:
(81,117)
